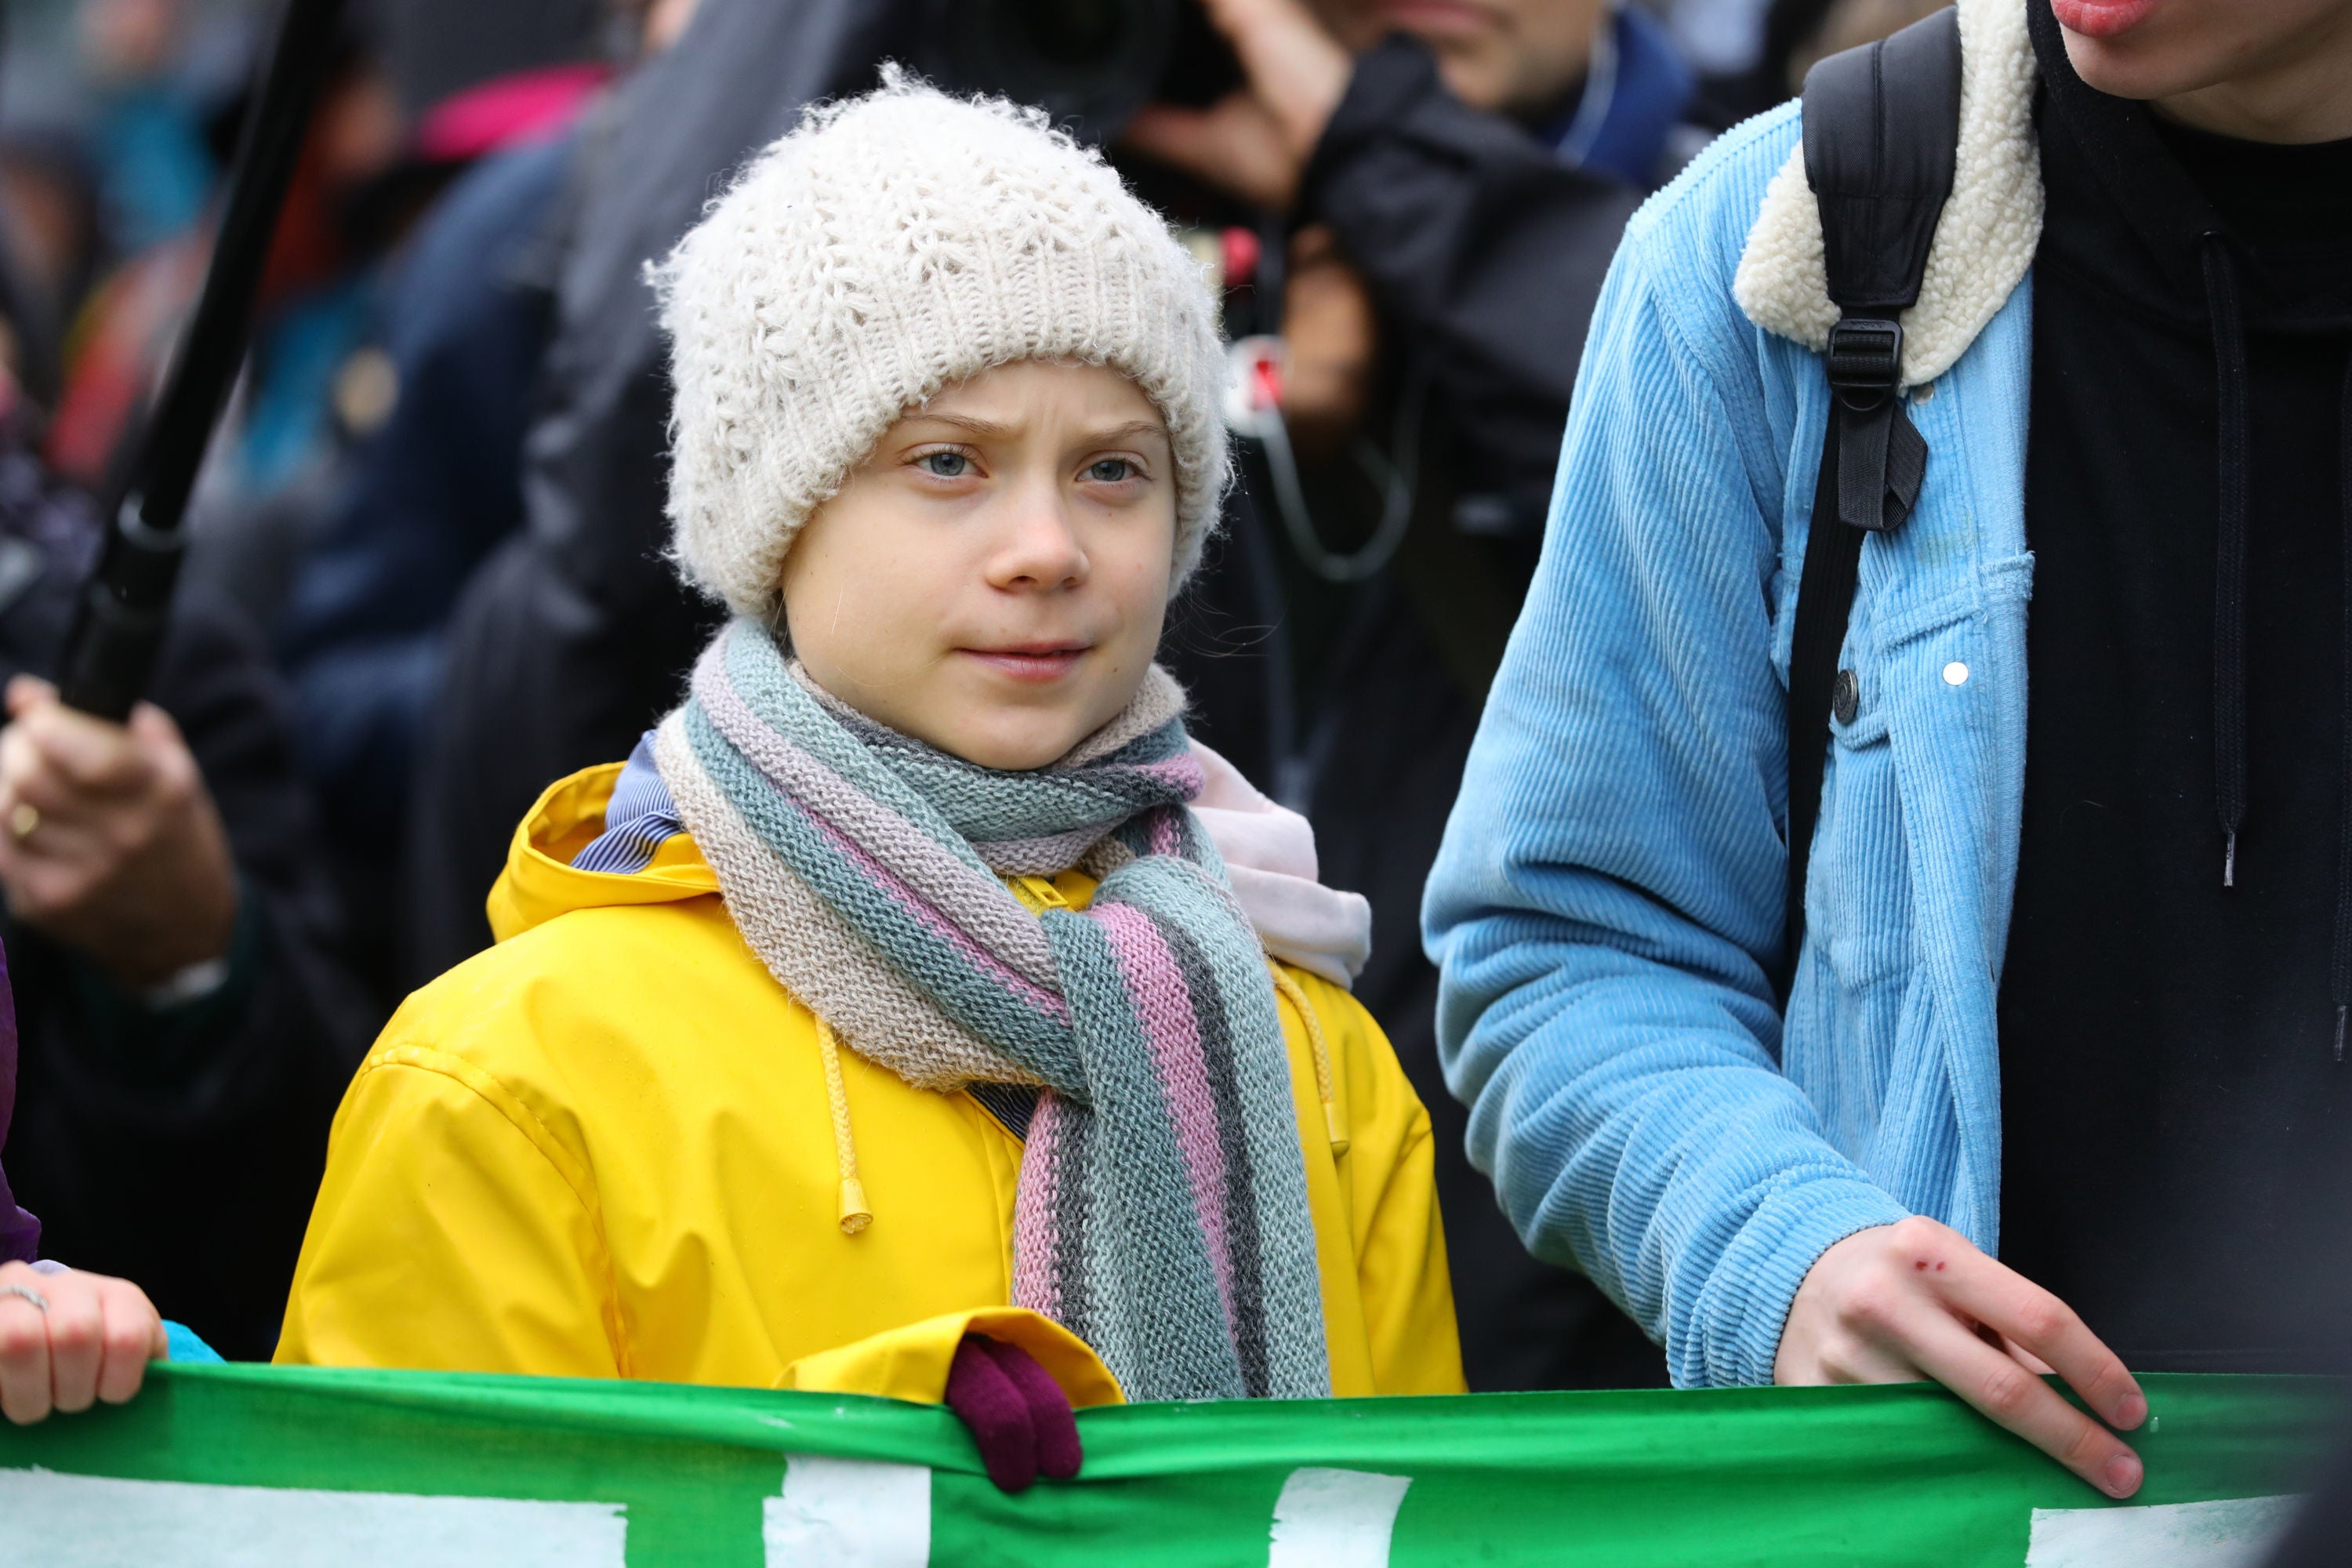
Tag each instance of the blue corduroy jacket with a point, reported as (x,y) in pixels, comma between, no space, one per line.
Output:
(1608,902)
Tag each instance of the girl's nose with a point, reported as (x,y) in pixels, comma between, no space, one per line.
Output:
(1041,548)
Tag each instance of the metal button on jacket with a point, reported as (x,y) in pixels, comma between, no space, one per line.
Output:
(1845,696)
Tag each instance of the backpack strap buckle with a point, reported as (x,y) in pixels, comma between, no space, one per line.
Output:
(1880,455)
(1865,357)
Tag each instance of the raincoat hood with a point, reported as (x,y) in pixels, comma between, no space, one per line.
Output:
(539,881)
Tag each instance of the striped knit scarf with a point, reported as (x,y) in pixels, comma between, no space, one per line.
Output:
(1163,1211)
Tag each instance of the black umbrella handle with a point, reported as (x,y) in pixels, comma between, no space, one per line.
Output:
(118,626)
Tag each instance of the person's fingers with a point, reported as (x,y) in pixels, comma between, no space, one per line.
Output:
(1243,22)
(2024,1357)
(53,871)
(1263,33)
(71,823)
(24,1353)
(133,1336)
(90,753)
(2006,1394)
(174,782)
(27,691)
(1853,1357)
(18,757)
(1181,138)
(2039,1322)
(76,1323)
(33,779)
(1272,38)
(1234,144)
(1051,1419)
(155,731)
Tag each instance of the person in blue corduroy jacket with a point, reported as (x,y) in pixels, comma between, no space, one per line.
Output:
(2132,1098)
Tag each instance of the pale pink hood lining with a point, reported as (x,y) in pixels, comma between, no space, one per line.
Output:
(1269,850)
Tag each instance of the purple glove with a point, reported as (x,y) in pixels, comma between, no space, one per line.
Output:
(1017,1414)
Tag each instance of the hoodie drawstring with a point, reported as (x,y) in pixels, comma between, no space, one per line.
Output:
(854,1216)
(2340,970)
(2229,612)
(2229,562)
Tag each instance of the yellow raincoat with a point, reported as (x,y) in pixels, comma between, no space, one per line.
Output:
(613,1146)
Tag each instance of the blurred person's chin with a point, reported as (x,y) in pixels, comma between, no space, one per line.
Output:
(2159,49)
(1507,56)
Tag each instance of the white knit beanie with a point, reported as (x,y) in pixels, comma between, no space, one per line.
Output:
(891,246)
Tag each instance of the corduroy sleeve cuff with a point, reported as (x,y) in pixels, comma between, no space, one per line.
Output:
(1734,1334)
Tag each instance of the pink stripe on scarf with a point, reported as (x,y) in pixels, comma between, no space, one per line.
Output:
(1037,1201)
(1163,1005)
(1183,770)
(1166,838)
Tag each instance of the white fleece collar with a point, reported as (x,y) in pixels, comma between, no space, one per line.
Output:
(1984,244)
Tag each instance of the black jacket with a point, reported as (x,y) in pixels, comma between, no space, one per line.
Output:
(180,1148)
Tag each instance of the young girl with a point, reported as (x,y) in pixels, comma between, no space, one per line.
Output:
(890,994)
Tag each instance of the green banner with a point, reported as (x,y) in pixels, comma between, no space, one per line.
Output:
(247,1464)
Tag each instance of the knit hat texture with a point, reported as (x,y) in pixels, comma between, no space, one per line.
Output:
(889,246)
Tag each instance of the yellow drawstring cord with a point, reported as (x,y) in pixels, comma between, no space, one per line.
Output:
(1288,983)
(854,1216)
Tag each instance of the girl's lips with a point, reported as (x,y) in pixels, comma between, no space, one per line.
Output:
(1039,664)
(2103,18)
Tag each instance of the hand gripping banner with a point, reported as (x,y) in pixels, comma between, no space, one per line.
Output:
(214,1466)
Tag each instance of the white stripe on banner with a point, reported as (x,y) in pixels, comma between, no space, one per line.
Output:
(94,1521)
(1334,1519)
(2235,1532)
(849,1514)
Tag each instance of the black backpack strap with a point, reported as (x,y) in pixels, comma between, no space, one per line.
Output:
(1882,128)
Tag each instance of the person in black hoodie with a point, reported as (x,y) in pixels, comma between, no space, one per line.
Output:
(2177,1107)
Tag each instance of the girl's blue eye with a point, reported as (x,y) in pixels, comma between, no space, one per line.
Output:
(946,465)
(1111,471)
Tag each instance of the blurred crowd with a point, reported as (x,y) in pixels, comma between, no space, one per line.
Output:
(428,575)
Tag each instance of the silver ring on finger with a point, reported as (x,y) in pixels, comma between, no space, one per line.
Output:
(40,1303)
(23,818)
